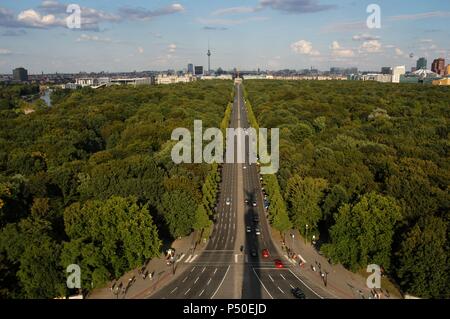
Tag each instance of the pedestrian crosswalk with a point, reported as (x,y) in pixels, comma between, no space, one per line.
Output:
(290,260)
(233,258)
(190,258)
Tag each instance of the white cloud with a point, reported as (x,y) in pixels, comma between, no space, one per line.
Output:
(229,22)
(418,16)
(33,18)
(340,52)
(398,51)
(94,38)
(364,37)
(143,14)
(234,10)
(304,47)
(296,6)
(371,46)
(5,51)
(172,48)
(52,13)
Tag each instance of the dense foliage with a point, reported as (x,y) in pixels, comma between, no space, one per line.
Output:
(10,95)
(366,166)
(90,181)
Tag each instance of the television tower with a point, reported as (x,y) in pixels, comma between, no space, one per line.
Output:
(209,60)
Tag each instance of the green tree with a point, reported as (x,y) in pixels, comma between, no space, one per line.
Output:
(119,234)
(179,210)
(423,267)
(304,196)
(30,243)
(363,233)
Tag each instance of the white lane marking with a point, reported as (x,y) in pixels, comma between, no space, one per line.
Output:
(271,278)
(280,289)
(246,258)
(236,258)
(196,280)
(201,293)
(223,279)
(189,258)
(193,269)
(301,258)
(203,270)
(208,281)
(232,237)
(306,285)
(282,276)
(234,226)
(262,284)
(193,258)
(185,279)
(285,256)
(173,290)
(180,259)
(291,286)
(187,291)
(215,270)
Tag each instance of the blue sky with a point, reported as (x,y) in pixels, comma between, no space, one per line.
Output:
(248,34)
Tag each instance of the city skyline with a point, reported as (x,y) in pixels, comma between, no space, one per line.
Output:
(267,35)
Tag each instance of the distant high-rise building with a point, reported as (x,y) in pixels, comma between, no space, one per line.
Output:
(190,68)
(386,70)
(198,70)
(397,72)
(20,74)
(421,64)
(334,70)
(447,70)
(438,66)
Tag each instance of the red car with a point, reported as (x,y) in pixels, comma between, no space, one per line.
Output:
(278,264)
(265,253)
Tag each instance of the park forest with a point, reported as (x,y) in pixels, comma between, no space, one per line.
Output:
(90,180)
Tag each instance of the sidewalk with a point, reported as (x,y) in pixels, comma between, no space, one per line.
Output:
(340,282)
(140,288)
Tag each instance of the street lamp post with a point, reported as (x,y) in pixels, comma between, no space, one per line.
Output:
(292,245)
(306,234)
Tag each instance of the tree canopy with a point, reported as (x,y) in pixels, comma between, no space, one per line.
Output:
(365,164)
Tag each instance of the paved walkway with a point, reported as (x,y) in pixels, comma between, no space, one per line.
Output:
(162,274)
(340,282)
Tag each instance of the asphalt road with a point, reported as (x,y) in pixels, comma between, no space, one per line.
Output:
(226,268)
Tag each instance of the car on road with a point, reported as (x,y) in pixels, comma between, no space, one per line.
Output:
(265,253)
(257,231)
(298,293)
(246,200)
(228,201)
(254,203)
(249,229)
(253,252)
(278,263)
